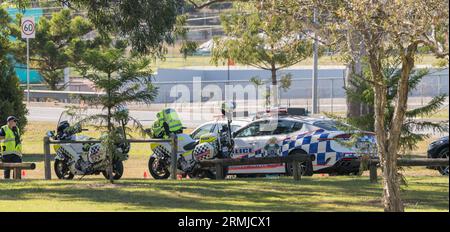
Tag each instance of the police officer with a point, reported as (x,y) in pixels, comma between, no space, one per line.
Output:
(167,122)
(11,144)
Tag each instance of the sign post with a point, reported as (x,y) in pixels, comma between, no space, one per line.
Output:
(28,28)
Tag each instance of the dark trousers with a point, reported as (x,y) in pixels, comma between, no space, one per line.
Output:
(11,158)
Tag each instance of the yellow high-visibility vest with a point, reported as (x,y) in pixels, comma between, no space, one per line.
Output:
(9,145)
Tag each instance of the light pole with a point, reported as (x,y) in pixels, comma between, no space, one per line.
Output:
(315,109)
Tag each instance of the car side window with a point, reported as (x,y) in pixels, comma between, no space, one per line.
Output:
(202,130)
(249,131)
(287,126)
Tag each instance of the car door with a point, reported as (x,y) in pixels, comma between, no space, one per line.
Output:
(263,139)
(249,143)
(244,141)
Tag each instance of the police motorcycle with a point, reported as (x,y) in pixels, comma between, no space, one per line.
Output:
(85,158)
(189,151)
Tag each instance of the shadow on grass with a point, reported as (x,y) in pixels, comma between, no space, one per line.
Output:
(192,195)
(231,195)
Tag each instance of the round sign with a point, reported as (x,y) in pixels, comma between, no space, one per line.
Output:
(28,27)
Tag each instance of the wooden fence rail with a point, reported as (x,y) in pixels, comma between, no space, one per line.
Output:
(374,163)
(17,168)
(220,164)
(48,156)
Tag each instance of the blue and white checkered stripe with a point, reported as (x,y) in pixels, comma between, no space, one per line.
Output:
(310,143)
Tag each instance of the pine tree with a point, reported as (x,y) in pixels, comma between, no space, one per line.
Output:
(364,94)
(11,95)
(124,79)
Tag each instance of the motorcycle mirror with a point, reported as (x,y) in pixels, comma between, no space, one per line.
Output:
(228,109)
(50,133)
(148,131)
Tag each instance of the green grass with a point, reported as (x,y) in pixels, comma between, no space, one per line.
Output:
(283,194)
(177,61)
(426,189)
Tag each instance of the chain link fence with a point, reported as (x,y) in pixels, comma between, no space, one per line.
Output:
(331,93)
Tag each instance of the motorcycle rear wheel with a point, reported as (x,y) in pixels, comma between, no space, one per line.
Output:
(117,171)
(62,171)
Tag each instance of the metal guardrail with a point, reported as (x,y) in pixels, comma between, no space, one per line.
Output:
(48,157)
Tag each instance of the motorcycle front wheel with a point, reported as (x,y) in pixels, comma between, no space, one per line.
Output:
(117,171)
(158,170)
(62,170)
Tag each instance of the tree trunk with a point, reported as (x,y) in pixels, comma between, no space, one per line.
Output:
(388,157)
(274,88)
(355,108)
(391,184)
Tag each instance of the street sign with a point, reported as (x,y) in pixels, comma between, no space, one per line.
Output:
(28,28)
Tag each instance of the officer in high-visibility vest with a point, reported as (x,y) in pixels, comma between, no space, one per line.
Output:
(167,122)
(11,144)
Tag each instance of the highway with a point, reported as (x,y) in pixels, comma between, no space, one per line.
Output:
(52,114)
(190,120)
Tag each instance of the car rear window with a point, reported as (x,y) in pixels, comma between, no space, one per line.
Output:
(330,125)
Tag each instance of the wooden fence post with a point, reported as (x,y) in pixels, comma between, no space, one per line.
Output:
(219,170)
(296,169)
(47,158)
(373,172)
(173,167)
(17,175)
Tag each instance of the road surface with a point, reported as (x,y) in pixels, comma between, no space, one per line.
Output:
(52,114)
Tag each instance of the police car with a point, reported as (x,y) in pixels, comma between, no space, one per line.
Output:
(321,138)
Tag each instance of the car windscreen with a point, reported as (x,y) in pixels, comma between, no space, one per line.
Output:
(330,125)
(235,128)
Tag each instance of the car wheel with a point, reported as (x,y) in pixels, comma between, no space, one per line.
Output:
(443,155)
(306,167)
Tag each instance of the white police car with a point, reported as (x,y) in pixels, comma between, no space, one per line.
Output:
(286,135)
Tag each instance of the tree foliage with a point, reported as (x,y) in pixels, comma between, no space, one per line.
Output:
(409,133)
(392,29)
(261,37)
(124,78)
(11,95)
(148,24)
(56,46)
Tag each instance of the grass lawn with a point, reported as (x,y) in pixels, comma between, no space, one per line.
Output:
(283,194)
(177,61)
(426,189)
